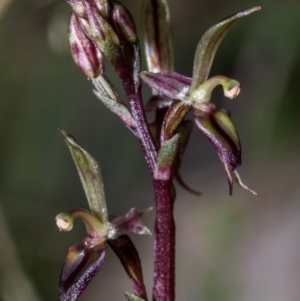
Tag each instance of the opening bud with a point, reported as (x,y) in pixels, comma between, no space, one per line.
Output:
(77,8)
(99,29)
(103,7)
(124,23)
(83,50)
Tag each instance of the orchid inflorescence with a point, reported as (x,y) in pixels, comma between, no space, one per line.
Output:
(101,29)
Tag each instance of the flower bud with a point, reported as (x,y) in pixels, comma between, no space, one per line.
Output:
(83,50)
(103,7)
(78,8)
(99,29)
(124,23)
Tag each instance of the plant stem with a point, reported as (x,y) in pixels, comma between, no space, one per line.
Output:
(164,245)
(133,92)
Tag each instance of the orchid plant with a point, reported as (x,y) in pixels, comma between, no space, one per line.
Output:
(101,29)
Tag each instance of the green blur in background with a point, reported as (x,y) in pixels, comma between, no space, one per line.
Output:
(228,248)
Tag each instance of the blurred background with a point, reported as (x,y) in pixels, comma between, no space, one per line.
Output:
(228,248)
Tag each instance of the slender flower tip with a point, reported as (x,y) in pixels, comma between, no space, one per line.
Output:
(232,175)
(64,222)
(143,213)
(77,8)
(246,12)
(146,211)
(251,10)
(231,88)
(68,137)
(238,180)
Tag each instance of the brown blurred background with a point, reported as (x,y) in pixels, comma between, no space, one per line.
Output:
(238,248)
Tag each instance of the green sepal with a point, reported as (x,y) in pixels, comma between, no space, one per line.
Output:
(132,297)
(166,157)
(174,116)
(106,92)
(90,175)
(158,36)
(208,45)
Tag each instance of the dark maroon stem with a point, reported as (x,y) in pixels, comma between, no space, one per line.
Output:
(164,244)
(133,92)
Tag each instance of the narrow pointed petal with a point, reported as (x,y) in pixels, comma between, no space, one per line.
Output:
(172,85)
(158,36)
(218,128)
(79,268)
(173,117)
(90,175)
(117,108)
(184,130)
(129,223)
(209,43)
(107,93)
(129,257)
(131,297)
(238,180)
(104,86)
(158,102)
(184,185)
(136,66)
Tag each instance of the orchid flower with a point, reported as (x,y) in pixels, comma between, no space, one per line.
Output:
(180,94)
(83,261)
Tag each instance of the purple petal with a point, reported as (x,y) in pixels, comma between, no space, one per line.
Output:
(172,85)
(129,257)
(79,268)
(128,223)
